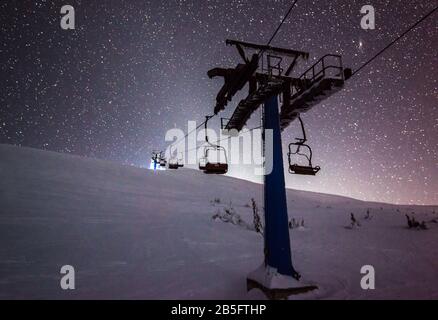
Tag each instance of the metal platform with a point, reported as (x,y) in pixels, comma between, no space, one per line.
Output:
(317,83)
(247,106)
(274,67)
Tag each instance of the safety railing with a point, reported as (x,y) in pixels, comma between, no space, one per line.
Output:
(328,66)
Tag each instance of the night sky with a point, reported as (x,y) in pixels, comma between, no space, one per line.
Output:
(134,69)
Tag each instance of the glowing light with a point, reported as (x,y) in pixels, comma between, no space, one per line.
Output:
(156,167)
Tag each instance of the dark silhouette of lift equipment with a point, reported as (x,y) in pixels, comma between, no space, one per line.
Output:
(209,164)
(158,159)
(175,162)
(299,145)
(267,80)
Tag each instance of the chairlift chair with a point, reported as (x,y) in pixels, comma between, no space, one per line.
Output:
(162,160)
(180,161)
(202,162)
(218,166)
(209,164)
(173,164)
(173,161)
(295,168)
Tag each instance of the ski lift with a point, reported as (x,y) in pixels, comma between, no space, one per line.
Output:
(202,162)
(301,146)
(217,165)
(214,160)
(180,161)
(173,164)
(173,161)
(156,156)
(163,161)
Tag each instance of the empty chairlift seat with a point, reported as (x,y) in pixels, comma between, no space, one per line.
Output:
(321,80)
(215,160)
(173,164)
(302,151)
(303,170)
(202,162)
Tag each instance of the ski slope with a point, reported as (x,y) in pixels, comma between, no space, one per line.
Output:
(132,233)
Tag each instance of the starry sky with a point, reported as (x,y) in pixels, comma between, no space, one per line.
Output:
(131,70)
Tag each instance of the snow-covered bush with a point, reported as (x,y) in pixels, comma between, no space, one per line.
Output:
(368,215)
(229,214)
(215,201)
(414,224)
(258,226)
(353,222)
(295,224)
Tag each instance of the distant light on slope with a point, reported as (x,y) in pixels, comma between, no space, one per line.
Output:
(158,167)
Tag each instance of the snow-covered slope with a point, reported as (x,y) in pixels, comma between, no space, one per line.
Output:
(135,233)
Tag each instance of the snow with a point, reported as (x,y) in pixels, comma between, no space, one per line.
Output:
(269,277)
(133,233)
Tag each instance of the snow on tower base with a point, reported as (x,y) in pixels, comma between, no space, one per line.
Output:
(275,285)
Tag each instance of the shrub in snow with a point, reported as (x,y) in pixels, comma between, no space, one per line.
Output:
(354,222)
(229,215)
(368,215)
(258,226)
(295,224)
(217,215)
(414,224)
(215,201)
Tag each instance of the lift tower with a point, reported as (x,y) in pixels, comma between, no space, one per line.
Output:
(268,74)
